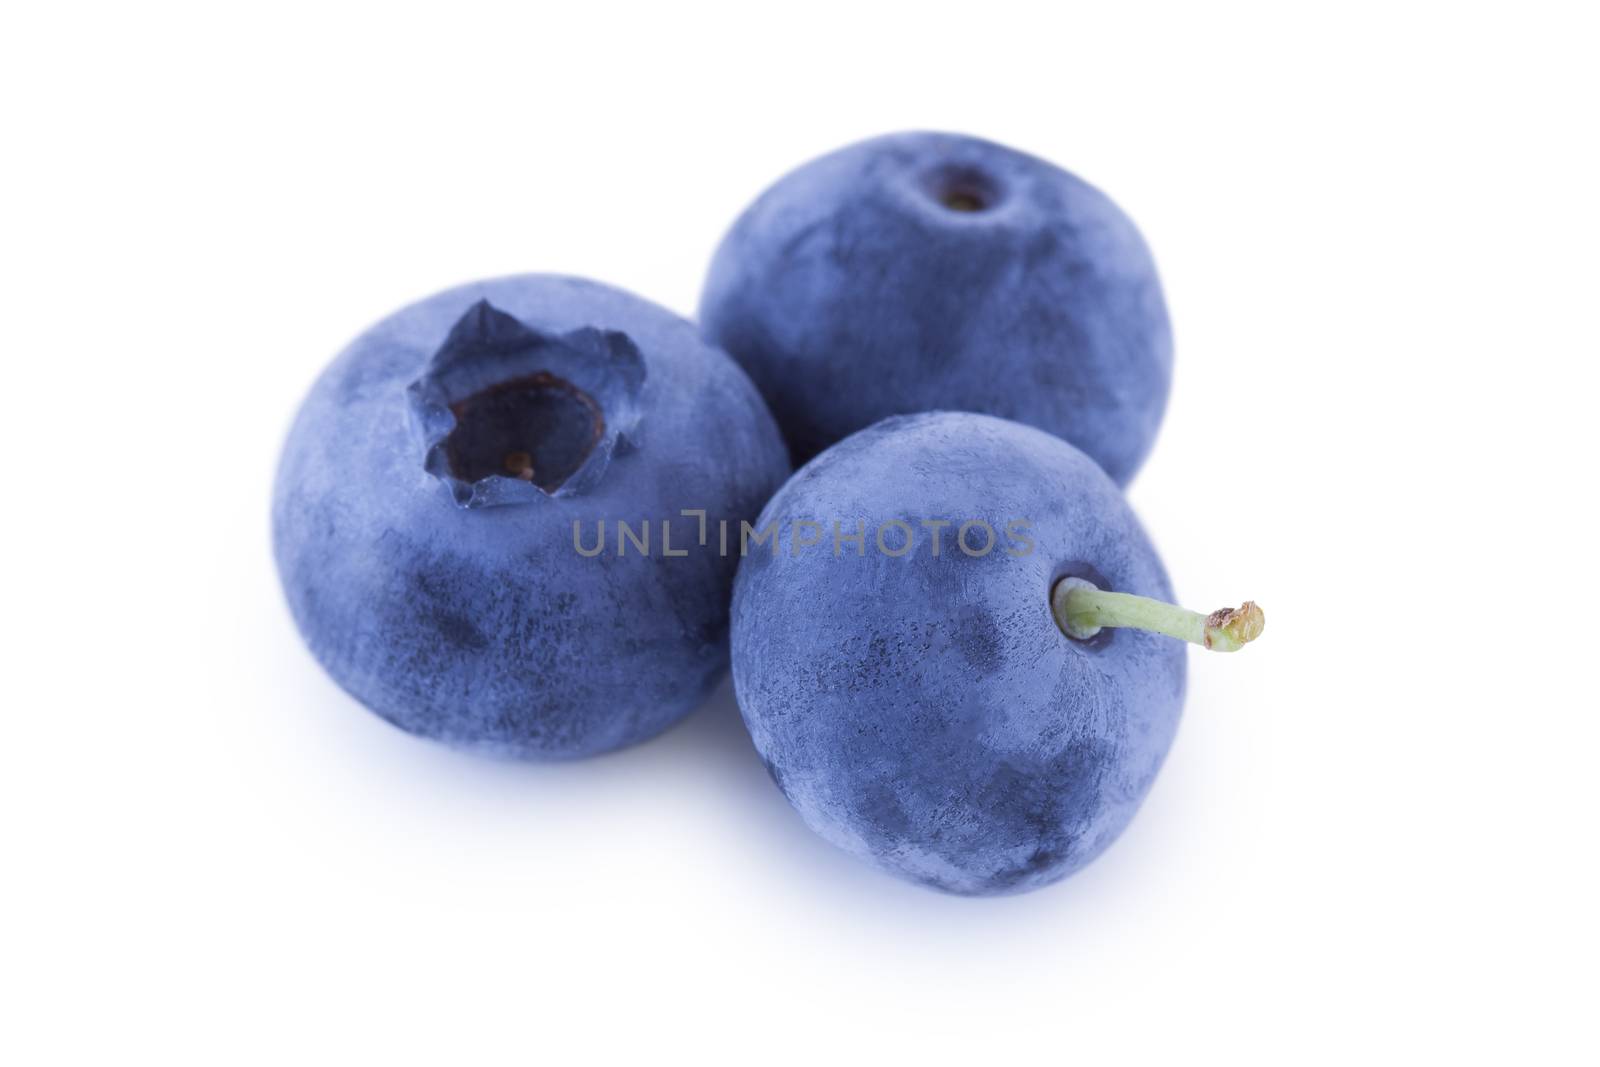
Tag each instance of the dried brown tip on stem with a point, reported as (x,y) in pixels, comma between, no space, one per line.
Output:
(1228,629)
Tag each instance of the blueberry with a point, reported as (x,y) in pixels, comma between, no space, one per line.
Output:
(925,271)
(442,474)
(902,658)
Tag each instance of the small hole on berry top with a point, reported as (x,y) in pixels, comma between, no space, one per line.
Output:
(963,190)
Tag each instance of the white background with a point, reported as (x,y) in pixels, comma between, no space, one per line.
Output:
(1374,839)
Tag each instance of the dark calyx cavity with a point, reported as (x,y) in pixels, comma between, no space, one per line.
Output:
(539,429)
(965,190)
(508,413)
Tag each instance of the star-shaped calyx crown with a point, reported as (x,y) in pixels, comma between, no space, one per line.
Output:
(507,413)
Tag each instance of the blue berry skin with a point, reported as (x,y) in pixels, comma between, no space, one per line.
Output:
(925,712)
(931,271)
(444,591)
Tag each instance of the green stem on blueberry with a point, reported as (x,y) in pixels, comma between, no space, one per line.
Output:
(1082,610)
